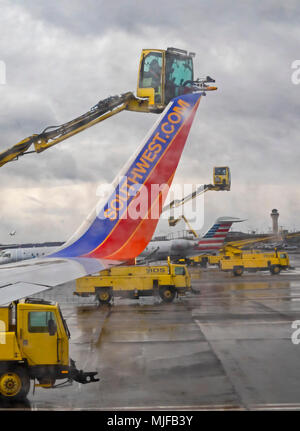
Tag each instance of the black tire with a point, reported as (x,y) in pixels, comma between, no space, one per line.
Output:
(275,269)
(104,296)
(237,272)
(14,384)
(167,293)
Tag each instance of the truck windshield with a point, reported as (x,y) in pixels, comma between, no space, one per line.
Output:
(151,73)
(220,171)
(179,71)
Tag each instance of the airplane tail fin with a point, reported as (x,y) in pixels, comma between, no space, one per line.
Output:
(123,224)
(214,238)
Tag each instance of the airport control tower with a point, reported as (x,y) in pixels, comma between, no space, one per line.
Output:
(274,216)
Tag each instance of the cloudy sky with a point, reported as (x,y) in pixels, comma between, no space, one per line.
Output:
(62,57)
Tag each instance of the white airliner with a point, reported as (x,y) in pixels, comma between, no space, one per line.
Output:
(179,248)
(110,236)
(9,255)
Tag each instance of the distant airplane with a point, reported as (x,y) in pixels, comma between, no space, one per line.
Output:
(110,236)
(280,245)
(12,233)
(23,253)
(289,247)
(210,243)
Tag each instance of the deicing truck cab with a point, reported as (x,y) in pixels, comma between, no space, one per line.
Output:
(34,345)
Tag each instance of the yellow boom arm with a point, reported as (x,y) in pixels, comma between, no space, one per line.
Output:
(53,135)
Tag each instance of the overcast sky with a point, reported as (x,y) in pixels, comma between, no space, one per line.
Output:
(63,56)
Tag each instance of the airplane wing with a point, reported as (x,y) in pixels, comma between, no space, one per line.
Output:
(28,277)
(122,224)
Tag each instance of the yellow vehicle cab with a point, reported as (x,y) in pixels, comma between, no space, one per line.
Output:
(254,261)
(34,345)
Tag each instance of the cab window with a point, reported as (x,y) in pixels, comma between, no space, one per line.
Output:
(179,270)
(179,73)
(282,255)
(151,73)
(38,321)
(220,171)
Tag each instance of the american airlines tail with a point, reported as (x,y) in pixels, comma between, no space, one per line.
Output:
(214,239)
(121,227)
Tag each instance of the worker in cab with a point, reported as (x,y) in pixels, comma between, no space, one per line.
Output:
(155,73)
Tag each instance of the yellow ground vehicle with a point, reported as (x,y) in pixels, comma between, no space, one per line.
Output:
(172,76)
(213,260)
(134,281)
(34,344)
(252,258)
(201,260)
(254,261)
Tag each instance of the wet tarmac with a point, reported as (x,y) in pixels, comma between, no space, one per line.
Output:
(228,346)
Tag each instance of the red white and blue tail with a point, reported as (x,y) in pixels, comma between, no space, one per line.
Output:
(123,224)
(214,239)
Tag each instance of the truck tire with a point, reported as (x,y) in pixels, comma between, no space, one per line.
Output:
(14,384)
(167,293)
(104,296)
(238,271)
(275,269)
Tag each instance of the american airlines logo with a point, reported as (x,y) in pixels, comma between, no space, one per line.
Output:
(214,238)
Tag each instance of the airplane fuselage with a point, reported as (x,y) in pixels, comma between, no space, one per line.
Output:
(174,248)
(16,254)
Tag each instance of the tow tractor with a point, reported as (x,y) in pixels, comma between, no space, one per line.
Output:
(34,345)
(163,75)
